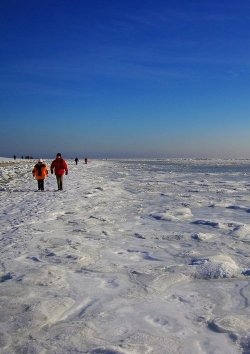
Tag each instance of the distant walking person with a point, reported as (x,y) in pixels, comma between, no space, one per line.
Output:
(40,172)
(76,160)
(86,160)
(59,166)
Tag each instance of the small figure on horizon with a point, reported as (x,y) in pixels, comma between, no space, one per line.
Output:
(86,160)
(76,160)
(59,166)
(14,157)
(40,172)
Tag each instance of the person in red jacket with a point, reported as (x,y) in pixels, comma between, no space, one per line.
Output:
(40,172)
(59,166)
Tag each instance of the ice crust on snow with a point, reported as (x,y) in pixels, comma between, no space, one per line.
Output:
(215,267)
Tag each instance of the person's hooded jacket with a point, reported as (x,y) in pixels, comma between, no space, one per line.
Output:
(60,166)
(40,171)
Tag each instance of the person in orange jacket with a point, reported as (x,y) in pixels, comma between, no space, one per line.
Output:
(59,166)
(40,172)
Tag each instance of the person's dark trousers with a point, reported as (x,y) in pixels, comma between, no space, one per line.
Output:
(40,184)
(59,179)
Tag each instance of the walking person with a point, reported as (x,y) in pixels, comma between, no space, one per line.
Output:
(59,166)
(40,172)
(76,160)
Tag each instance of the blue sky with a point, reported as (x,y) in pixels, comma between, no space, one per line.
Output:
(109,78)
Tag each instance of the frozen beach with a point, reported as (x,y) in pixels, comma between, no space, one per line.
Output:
(132,257)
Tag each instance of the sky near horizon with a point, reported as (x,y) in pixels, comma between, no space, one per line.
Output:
(125,78)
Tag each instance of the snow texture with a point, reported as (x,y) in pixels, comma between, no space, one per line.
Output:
(132,257)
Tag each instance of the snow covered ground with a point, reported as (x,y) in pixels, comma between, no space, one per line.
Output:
(132,257)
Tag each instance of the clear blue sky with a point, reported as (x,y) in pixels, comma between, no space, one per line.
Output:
(125,78)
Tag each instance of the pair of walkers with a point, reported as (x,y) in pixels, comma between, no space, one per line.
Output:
(58,166)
